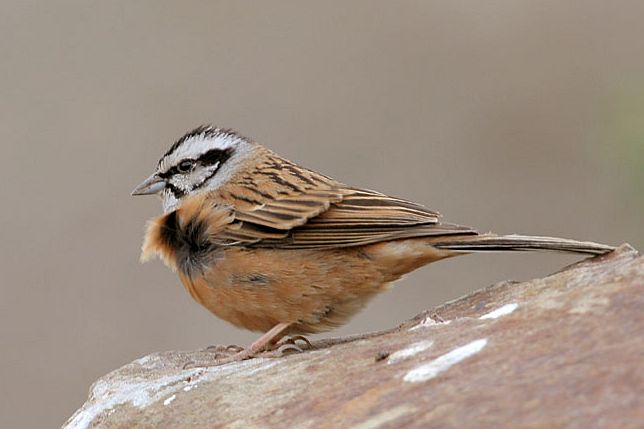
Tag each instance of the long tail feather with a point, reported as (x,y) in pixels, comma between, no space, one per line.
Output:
(491,243)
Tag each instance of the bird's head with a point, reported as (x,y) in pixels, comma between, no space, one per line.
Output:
(201,160)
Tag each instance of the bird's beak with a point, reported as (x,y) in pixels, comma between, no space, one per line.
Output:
(152,185)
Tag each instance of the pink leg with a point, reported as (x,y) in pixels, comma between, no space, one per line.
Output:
(270,338)
(263,343)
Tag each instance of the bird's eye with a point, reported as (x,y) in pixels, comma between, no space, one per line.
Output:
(185,166)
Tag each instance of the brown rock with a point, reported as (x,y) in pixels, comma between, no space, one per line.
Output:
(563,351)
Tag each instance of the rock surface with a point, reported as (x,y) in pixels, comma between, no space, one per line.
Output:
(563,351)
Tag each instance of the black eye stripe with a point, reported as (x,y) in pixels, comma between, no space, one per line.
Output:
(205,131)
(214,156)
(211,157)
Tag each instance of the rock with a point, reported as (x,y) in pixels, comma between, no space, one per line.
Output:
(563,351)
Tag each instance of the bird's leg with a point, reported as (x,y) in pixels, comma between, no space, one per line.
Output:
(269,339)
(264,343)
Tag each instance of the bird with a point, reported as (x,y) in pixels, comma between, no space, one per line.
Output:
(273,247)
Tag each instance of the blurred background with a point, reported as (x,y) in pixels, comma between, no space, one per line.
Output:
(509,116)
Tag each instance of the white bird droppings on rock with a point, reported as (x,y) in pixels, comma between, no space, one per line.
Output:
(189,387)
(427,322)
(386,417)
(144,360)
(112,391)
(501,311)
(443,363)
(410,351)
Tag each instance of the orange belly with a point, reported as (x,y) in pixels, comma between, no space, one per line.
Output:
(314,290)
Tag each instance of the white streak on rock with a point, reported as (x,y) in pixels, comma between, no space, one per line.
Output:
(443,363)
(189,387)
(144,360)
(169,400)
(427,322)
(261,368)
(410,351)
(112,391)
(386,417)
(501,311)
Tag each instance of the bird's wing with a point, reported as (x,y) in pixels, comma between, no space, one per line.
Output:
(364,217)
(274,199)
(282,205)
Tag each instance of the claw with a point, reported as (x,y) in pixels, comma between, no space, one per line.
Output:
(284,350)
(305,340)
(236,357)
(225,349)
(293,341)
(265,346)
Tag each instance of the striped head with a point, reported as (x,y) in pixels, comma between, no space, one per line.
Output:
(201,160)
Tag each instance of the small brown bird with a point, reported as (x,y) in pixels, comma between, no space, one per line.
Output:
(271,246)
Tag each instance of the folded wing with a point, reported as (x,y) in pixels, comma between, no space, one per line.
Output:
(284,206)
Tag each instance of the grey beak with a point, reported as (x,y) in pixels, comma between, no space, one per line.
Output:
(152,185)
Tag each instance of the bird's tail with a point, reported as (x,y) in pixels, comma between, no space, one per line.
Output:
(492,243)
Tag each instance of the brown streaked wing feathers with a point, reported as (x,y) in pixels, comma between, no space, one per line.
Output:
(343,224)
(304,238)
(281,205)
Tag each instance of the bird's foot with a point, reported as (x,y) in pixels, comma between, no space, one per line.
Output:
(221,350)
(293,342)
(269,345)
(286,346)
(222,356)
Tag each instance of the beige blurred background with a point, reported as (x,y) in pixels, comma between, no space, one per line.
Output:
(510,116)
